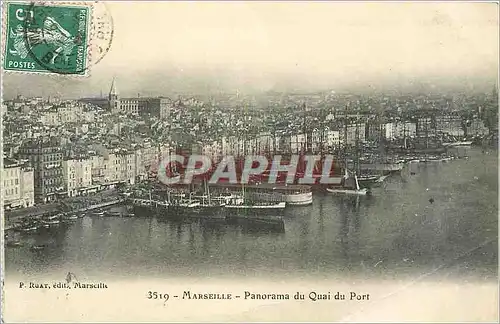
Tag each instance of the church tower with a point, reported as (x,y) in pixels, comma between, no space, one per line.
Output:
(114,99)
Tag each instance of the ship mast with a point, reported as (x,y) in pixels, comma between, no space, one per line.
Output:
(356,165)
(345,142)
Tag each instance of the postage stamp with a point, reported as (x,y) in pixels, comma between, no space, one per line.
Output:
(47,38)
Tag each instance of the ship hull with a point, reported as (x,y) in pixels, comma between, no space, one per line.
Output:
(360,192)
(263,213)
(143,210)
(173,211)
(273,193)
(300,199)
(212,212)
(382,167)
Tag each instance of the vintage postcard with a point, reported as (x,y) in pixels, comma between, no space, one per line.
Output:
(249,161)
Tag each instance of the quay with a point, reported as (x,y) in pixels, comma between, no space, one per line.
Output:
(38,212)
(102,205)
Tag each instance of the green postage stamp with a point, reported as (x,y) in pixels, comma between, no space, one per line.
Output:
(47,38)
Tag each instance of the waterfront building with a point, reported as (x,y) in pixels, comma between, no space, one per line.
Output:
(266,142)
(399,130)
(297,143)
(146,156)
(374,130)
(356,131)
(476,127)
(45,155)
(77,173)
(212,150)
(119,166)
(450,125)
(232,145)
(426,127)
(18,184)
(97,168)
(333,139)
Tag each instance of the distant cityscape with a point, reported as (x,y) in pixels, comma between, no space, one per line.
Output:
(56,148)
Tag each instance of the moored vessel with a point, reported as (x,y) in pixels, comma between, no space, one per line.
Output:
(266,212)
(292,195)
(350,186)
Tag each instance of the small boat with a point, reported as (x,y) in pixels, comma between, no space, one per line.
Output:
(29,229)
(128,215)
(447,159)
(70,217)
(361,192)
(99,213)
(349,188)
(368,178)
(381,179)
(112,214)
(38,247)
(52,217)
(14,244)
(460,143)
(54,222)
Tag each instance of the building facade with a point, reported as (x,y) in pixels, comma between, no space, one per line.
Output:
(17,184)
(45,155)
(77,172)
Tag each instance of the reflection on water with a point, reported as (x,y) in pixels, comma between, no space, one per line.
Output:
(397,231)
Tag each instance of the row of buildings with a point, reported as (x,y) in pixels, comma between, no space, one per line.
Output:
(68,148)
(332,138)
(46,170)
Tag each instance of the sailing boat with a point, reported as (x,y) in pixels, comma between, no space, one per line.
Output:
(350,186)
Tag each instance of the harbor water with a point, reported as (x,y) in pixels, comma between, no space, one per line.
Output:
(433,218)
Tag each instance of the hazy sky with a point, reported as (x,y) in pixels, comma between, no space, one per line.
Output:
(160,47)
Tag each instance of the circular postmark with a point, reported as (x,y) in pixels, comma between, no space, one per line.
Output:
(67,38)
